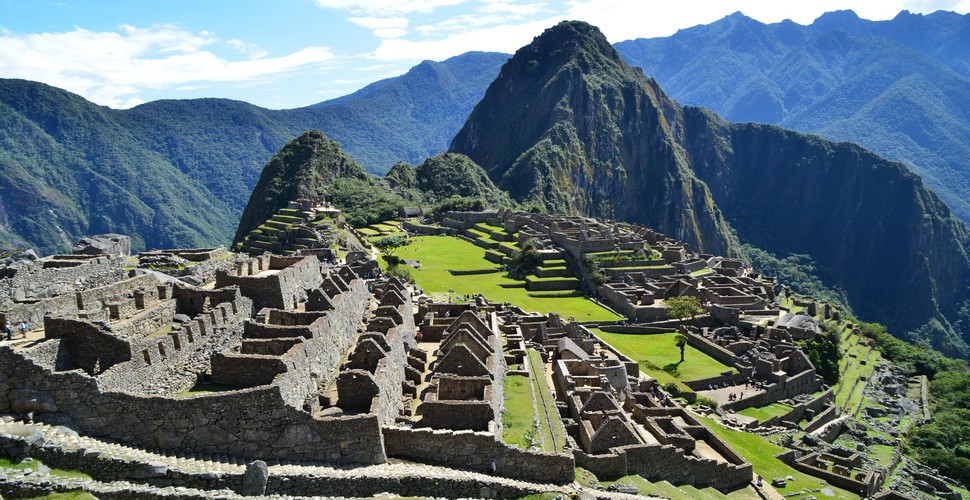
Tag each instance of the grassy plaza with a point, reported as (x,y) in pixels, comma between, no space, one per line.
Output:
(438,254)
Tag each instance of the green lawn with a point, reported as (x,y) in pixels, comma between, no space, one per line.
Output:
(766,412)
(761,453)
(882,453)
(658,356)
(518,419)
(437,254)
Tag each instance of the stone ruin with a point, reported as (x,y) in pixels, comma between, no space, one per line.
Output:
(281,359)
(620,422)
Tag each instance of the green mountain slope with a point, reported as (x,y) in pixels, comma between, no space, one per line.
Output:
(68,168)
(443,176)
(178,173)
(568,124)
(899,87)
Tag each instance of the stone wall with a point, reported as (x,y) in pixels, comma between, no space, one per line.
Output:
(147,364)
(70,302)
(665,462)
(109,469)
(252,423)
(476,451)
(282,289)
(246,370)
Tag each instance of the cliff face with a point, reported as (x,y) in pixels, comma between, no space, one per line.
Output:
(871,225)
(569,126)
(304,167)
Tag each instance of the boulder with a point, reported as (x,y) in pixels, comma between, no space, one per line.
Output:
(104,244)
(255,479)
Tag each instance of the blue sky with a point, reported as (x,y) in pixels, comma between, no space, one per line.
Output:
(291,53)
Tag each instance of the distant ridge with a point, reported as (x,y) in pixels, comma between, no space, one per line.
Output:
(899,87)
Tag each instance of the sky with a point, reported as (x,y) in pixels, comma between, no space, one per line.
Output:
(291,53)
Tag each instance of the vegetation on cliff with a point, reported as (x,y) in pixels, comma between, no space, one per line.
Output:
(178,173)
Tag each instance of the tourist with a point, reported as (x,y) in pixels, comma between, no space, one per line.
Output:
(760,480)
(493,468)
(8,331)
(22,328)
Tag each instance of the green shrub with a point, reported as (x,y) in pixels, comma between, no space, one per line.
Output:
(672,388)
(706,401)
(525,261)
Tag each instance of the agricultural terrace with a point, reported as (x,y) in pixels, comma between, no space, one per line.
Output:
(659,357)
(664,489)
(858,361)
(439,254)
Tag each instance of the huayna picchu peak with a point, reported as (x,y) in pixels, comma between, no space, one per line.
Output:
(567,125)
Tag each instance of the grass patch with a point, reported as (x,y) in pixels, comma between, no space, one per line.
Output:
(659,356)
(761,453)
(882,453)
(7,463)
(437,254)
(765,412)
(518,418)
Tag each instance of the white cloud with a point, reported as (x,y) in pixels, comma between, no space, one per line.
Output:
(383,27)
(249,49)
(114,68)
(503,38)
(390,33)
(387,7)
(511,7)
(376,23)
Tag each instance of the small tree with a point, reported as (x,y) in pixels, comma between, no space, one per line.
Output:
(685,306)
(387,245)
(681,341)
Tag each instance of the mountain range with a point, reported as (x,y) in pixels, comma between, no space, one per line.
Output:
(567,125)
(900,87)
(177,173)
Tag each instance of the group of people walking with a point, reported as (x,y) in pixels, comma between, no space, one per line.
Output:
(22,328)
